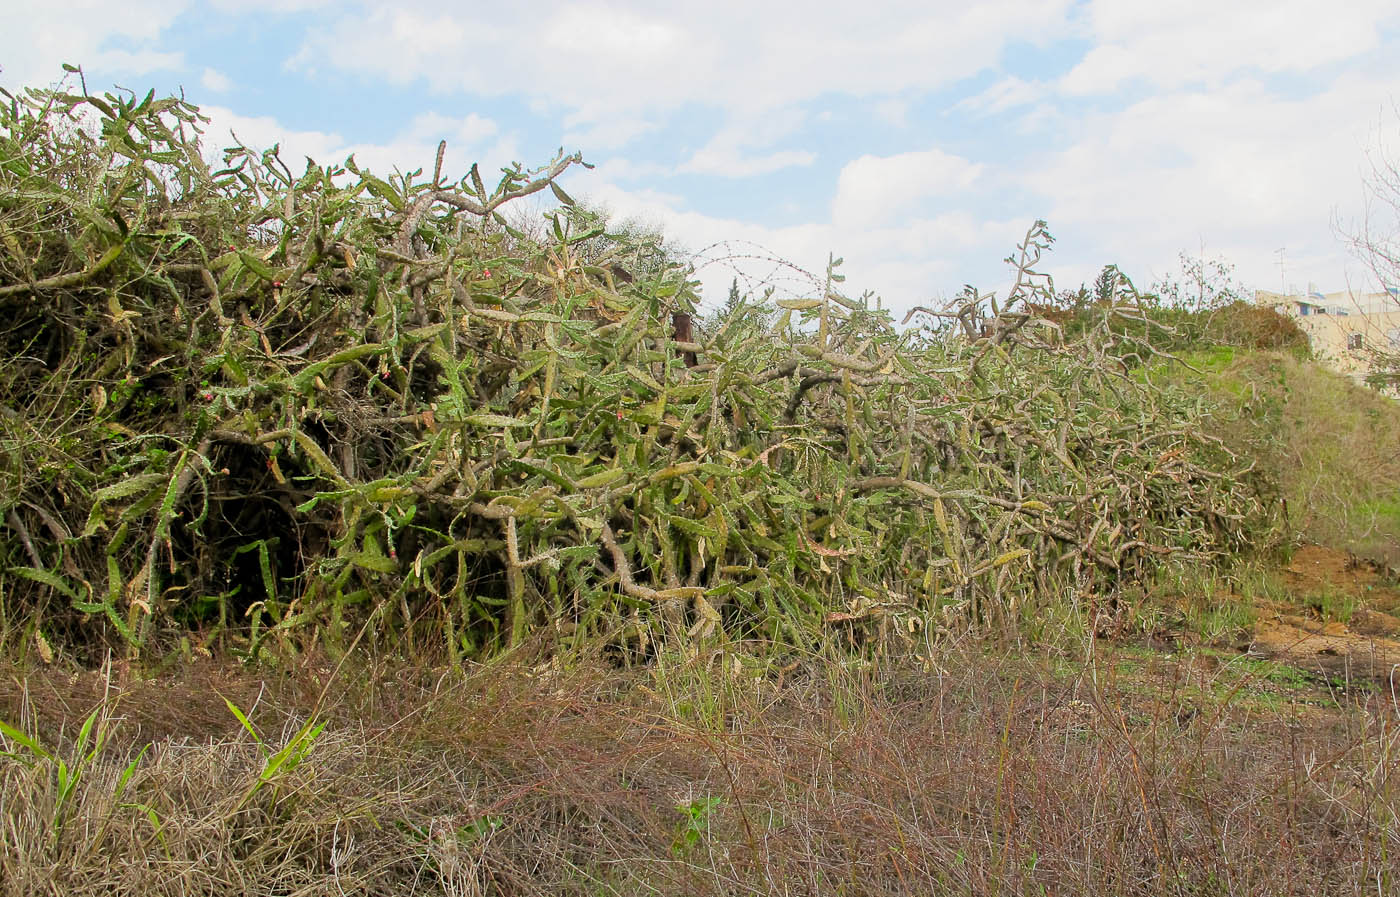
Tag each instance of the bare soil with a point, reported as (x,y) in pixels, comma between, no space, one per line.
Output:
(1301,631)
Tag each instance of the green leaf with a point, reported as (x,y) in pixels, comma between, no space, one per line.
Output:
(694,528)
(496,420)
(307,375)
(233,708)
(419,334)
(24,740)
(587,235)
(127,773)
(645,379)
(315,453)
(379,563)
(139,484)
(102,107)
(382,190)
(256,265)
(45,577)
(108,257)
(85,733)
(560,195)
(297,749)
(605,478)
(265,566)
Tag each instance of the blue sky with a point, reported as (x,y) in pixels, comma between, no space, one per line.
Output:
(918,140)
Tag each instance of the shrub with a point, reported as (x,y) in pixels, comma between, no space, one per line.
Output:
(267,409)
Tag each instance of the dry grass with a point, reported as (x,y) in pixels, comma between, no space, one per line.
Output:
(699,777)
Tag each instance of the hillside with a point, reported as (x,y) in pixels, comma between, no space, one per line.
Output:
(1333,446)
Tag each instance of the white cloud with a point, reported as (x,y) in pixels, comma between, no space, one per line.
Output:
(1101,70)
(872,189)
(266,7)
(470,138)
(1007,93)
(39,36)
(892,112)
(734,150)
(619,168)
(908,260)
(1202,41)
(597,132)
(470,130)
(632,60)
(134,62)
(263,131)
(215,81)
(730,162)
(613,33)
(1238,168)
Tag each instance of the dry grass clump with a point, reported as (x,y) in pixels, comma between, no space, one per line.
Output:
(1254,327)
(696,777)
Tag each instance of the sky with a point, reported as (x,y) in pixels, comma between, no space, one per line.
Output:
(917,140)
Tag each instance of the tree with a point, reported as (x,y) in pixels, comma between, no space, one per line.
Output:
(1206,284)
(1377,244)
(758,313)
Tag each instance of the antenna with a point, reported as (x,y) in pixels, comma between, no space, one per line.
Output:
(1282,288)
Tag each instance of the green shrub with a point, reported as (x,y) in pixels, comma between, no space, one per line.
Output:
(267,410)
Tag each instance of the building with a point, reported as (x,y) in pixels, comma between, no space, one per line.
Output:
(1346,329)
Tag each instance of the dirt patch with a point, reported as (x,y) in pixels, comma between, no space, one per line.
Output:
(1334,649)
(1316,570)
(1324,584)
